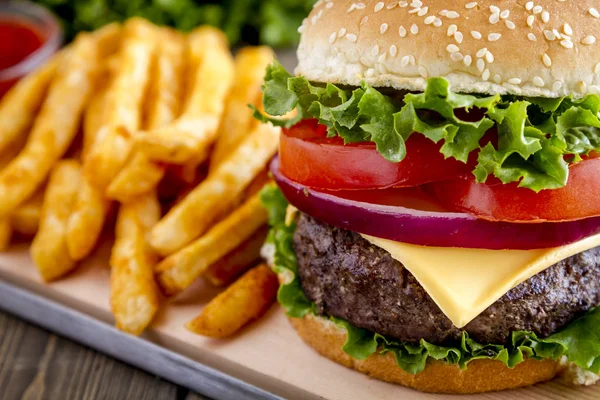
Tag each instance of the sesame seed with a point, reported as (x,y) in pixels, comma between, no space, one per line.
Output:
(492,37)
(510,24)
(437,23)
(392,5)
(546,60)
(494,10)
(375,50)
(514,81)
(549,35)
(481,52)
(476,35)
(589,40)
(470,5)
(351,8)
(489,57)
(452,29)
(403,4)
(530,20)
(423,11)
(597,68)
(363,20)
(531,37)
(456,56)
(567,44)
(505,14)
(404,61)
(414,10)
(443,13)
(497,79)
(423,71)
(382,58)
(360,6)
(393,50)
(402,31)
(480,64)
(486,75)
(329,5)
(452,48)
(545,17)
(468,60)
(414,29)
(378,6)
(529,5)
(370,73)
(537,81)
(452,15)
(429,20)
(351,37)
(342,32)
(333,36)
(567,29)
(494,18)
(556,86)
(458,36)
(537,9)
(594,13)
(383,28)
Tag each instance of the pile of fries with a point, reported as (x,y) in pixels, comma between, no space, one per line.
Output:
(153,127)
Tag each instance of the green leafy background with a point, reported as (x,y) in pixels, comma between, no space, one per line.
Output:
(272,22)
(537,138)
(579,342)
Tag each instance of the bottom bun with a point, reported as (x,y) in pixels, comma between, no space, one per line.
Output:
(438,377)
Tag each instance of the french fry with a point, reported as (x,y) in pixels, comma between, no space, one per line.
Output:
(176,272)
(196,212)
(228,268)
(250,64)
(191,135)
(87,218)
(124,101)
(55,126)
(6,231)
(140,175)
(26,218)
(19,106)
(49,247)
(246,300)
(133,295)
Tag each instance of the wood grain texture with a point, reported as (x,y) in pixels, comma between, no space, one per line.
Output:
(35,364)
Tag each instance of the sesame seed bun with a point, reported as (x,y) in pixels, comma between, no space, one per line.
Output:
(438,377)
(546,48)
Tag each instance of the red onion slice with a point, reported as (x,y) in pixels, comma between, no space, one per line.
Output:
(430,228)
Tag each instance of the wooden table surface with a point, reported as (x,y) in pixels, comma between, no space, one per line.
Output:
(36,364)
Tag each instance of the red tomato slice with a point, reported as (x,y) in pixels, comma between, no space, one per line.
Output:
(579,199)
(310,158)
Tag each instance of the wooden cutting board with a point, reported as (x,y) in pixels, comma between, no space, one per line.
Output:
(268,354)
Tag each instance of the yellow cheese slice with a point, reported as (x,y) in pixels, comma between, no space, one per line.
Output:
(464,282)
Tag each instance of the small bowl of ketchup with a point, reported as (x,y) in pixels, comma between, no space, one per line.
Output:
(29,35)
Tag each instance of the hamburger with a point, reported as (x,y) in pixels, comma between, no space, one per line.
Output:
(436,219)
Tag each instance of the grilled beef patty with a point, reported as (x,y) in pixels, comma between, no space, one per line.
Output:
(349,278)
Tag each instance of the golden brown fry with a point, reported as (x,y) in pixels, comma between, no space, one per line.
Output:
(124,104)
(215,195)
(211,76)
(250,64)
(246,300)
(140,175)
(86,220)
(6,231)
(179,270)
(133,295)
(228,268)
(55,126)
(95,114)
(19,106)
(26,219)
(49,247)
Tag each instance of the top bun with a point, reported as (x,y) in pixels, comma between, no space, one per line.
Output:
(545,48)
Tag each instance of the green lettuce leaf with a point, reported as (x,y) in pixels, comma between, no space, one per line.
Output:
(579,341)
(537,138)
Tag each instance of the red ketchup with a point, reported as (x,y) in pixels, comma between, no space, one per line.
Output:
(18,39)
